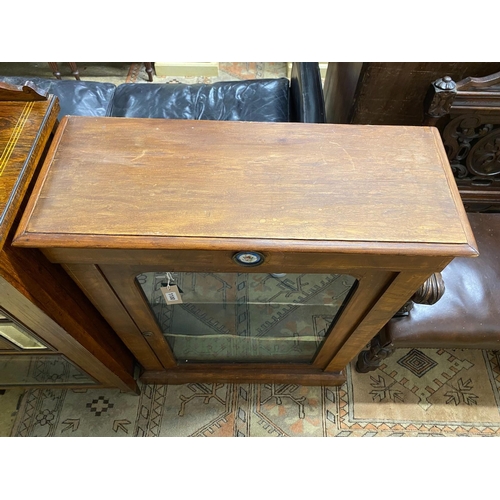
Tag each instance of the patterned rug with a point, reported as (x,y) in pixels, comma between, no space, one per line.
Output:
(418,392)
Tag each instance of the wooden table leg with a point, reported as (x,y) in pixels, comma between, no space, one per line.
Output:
(55,69)
(74,70)
(149,70)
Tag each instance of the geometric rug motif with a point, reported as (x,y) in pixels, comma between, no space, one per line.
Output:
(460,396)
(457,395)
(417,362)
(45,369)
(440,367)
(9,406)
(493,366)
(197,410)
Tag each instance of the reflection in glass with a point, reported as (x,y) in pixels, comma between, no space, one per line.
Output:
(40,370)
(246,317)
(20,338)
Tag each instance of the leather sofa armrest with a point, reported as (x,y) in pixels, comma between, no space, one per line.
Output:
(307,103)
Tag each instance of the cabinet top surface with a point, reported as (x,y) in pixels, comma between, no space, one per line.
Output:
(108,180)
(24,130)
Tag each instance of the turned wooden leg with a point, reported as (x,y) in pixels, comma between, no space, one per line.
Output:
(370,360)
(74,70)
(149,70)
(55,69)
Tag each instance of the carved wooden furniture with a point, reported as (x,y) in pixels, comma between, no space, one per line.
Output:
(214,213)
(465,316)
(50,334)
(467,114)
(54,67)
(388,93)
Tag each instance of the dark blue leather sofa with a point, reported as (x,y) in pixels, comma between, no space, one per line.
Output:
(299,99)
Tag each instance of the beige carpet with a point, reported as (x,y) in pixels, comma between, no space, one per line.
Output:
(427,392)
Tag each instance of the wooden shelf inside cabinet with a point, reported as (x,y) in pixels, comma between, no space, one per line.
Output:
(50,333)
(245,251)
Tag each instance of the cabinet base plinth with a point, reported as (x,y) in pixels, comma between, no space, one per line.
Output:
(208,373)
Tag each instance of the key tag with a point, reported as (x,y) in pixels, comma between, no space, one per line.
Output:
(171,292)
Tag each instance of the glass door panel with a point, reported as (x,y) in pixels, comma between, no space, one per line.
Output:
(246,317)
(17,336)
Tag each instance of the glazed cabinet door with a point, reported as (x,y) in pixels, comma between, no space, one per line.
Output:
(26,360)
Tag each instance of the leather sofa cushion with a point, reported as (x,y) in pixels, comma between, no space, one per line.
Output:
(468,314)
(250,100)
(80,98)
(83,98)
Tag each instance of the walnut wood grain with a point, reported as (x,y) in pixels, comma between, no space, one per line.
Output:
(278,256)
(389,93)
(118,197)
(25,128)
(5,345)
(304,183)
(245,373)
(44,291)
(27,92)
(370,288)
(35,292)
(36,319)
(122,280)
(96,287)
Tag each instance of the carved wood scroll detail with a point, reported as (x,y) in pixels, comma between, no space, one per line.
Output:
(468,116)
(429,293)
(440,97)
(27,92)
(487,82)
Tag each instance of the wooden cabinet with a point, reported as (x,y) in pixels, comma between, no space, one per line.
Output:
(290,245)
(50,334)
